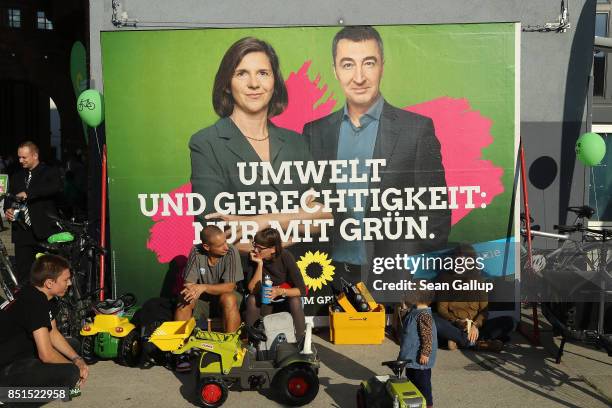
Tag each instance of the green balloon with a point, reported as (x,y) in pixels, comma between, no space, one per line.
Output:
(590,149)
(90,106)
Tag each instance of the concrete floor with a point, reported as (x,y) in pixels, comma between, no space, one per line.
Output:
(520,376)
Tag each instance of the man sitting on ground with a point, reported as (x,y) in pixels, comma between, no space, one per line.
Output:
(212,271)
(33,353)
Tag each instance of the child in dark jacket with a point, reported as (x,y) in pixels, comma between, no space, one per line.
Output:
(419,343)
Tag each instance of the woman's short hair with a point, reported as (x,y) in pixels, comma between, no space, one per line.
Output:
(269,238)
(223,101)
(47,267)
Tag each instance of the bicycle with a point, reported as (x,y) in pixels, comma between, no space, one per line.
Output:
(82,251)
(8,278)
(574,258)
(586,261)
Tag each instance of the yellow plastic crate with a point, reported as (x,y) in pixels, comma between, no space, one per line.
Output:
(357,327)
(171,335)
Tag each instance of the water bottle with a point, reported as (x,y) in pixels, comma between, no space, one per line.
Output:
(266,288)
(396,402)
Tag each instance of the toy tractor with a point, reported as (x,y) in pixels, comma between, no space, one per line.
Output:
(111,335)
(384,391)
(271,359)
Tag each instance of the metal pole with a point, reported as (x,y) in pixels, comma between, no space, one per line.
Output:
(534,311)
(103,223)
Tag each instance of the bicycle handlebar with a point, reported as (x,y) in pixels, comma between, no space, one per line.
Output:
(69,224)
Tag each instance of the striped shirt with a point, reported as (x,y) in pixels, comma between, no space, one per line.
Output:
(227,269)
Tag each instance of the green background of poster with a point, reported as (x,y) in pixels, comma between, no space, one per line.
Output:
(158,86)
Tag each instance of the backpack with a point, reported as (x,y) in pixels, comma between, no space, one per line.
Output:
(149,317)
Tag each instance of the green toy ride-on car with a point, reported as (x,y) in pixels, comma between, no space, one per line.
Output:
(111,335)
(387,391)
(271,359)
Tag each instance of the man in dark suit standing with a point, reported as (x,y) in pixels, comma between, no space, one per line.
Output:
(369,128)
(37,185)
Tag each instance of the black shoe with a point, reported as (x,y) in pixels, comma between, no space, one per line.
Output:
(505,338)
(183,363)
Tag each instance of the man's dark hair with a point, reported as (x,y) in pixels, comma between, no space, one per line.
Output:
(208,232)
(269,238)
(30,145)
(357,34)
(223,101)
(47,267)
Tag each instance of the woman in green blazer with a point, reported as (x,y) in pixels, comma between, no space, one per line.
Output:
(248,90)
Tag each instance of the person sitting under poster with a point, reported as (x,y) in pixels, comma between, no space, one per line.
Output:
(33,353)
(210,277)
(268,258)
(462,316)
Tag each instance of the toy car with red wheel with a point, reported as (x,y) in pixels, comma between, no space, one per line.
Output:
(271,359)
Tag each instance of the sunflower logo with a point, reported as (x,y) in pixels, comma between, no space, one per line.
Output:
(316,269)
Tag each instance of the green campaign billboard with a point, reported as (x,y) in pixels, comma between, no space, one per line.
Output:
(462,79)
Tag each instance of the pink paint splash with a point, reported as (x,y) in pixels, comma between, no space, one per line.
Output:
(458,128)
(171,235)
(463,134)
(303,96)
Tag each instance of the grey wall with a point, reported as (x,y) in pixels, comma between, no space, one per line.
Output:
(554,66)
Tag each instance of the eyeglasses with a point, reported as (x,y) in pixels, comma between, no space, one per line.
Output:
(258,248)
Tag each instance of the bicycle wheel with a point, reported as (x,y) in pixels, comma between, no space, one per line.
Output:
(64,319)
(6,294)
(88,274)
(80,306)
(8,280)
(578,275)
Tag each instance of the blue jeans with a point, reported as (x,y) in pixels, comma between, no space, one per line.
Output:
(493,329)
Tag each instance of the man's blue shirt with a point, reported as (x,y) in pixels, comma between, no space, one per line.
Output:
(356,143)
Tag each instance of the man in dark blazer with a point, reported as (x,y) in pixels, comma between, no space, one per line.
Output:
(369,128)
(37,185)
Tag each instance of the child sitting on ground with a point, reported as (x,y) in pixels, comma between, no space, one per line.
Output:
(419,342)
